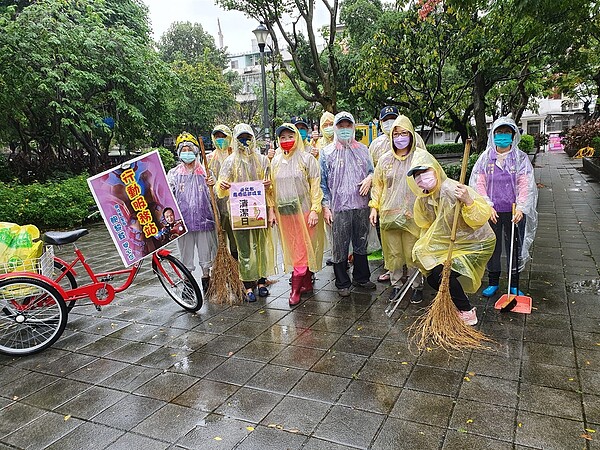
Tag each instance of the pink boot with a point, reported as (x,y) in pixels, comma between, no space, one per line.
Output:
(307,286)
(296,290)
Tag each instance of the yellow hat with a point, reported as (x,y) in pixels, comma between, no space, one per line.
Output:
(186,137)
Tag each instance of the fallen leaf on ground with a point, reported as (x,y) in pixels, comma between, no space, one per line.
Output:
(250,428)
(586,436)
(590,430)
(217,438)
(67,417)
(469,420)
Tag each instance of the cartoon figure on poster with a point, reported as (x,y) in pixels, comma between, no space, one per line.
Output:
(248,205)
(138,207)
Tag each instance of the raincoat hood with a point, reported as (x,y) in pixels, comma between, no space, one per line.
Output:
(238,148)
(425,159)
(226,131)
(497,124)
(326,117)
(298,144)
(416,141)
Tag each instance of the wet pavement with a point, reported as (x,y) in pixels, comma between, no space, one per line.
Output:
(332,373)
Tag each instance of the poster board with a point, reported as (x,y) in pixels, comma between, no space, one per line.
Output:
(248,206)
(138,207)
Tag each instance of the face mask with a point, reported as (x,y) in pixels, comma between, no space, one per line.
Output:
(503,140)
(386,126)
(401,142)
(426,181)
(303,133)
(328,132)
(345,134)
(287,145)
(221,143)
(187,157)
(245,141)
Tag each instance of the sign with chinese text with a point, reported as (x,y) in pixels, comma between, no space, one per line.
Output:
(138,207)
(247,205)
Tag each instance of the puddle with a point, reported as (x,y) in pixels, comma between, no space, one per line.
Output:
(585,287)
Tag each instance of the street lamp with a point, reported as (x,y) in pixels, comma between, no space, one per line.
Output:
(261,34)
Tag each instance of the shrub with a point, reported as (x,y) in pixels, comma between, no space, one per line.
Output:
(453,170)
(581,136)
(441,149)
(527,143)
(58,204)
(596,144)
(166,156)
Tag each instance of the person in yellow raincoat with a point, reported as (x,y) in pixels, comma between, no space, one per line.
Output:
(326,128)
(297,190)
(256,255)
(381,144)
(221,138)
(392,200)
(434,214)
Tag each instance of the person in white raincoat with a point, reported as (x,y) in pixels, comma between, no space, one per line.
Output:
(256,255)
(504,176)
(392,201)
(346,173)
(297,191)
(434,214)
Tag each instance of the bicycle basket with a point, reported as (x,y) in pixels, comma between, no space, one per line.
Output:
(43,265)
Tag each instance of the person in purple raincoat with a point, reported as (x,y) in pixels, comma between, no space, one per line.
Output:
(503,175)
(346,173)
(189,184)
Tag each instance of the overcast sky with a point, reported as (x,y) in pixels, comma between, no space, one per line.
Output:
(236,27)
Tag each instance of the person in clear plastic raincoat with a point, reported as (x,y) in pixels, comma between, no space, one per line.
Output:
(346,173)
(392,201)
(381,144)
(297,191)
(190,183)
(434,214)
(256,255)
(221,138)
(503,175)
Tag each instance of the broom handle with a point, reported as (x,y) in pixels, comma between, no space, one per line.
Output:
(463,174)
(213,201)
(512,241)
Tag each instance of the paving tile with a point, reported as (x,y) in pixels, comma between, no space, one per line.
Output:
(377,398)
(89,435)
(358,345)
(333,324)
(22,387)
(442,359)
(228,431)
(42,431)
(298,357)
(269,316)
(281,334)
(247,329)
(276,379)
(395,351)
(322,340)
(103,346)
(588,341)
(260,351)
(493,421)
(131,352)
(130,378)
(358,430)
(319,444)
(548,432)
(590,381)
(494,366)
(17,415)
(558,377)
(131,441)
(67,364)
(198,364)
(393,373)
(490,390)
(191,340)
(340,364)
(91,402)
(549,354)
(96,371)
(57,393)
(235,371)
(299,319)
(456,440)
(170,423)
(250,405)
(166,386)
(224,345)
(434,380)
(9,374)
(128,412)
(416,406)
(393,436)
(591,406)
(554,402)
(320,387)
(297,415)
(263,437)
(206,395)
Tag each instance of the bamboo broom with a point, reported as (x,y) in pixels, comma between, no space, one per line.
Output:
(226,287)
(440,325)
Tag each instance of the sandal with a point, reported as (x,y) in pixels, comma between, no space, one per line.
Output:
(263,291)
(384,277)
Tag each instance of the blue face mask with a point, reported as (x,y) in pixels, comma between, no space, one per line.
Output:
(303,133)
(503,140)
(345,134)
(187,157)
(245,141)
(221,143)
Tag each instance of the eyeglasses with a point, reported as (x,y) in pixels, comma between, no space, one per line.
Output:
(400,133)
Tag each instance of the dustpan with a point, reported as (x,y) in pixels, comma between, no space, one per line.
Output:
(509,302)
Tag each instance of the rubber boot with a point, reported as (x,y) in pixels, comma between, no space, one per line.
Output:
(295,294)
(307,286)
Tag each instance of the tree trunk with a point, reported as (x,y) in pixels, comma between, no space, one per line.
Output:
(479,92)
(596,114)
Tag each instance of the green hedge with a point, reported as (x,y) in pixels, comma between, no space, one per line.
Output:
(453,170)
(52,205)
(442,149)
(527,144)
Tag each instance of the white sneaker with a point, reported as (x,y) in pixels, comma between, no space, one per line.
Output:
(469,317)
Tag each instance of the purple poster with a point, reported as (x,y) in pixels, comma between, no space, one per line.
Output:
(138,207)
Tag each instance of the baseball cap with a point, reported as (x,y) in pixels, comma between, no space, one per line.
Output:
(344,115)
(388,111)
(412,171)
(285,126)
(298,120)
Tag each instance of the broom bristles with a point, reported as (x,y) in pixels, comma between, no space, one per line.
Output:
(440,326)
(226,287)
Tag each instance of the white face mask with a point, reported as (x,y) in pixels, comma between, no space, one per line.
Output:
(386,126)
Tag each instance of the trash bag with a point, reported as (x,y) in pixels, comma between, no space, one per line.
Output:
(20,247)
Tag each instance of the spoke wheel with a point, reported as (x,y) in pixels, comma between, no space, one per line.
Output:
(178,282)
(33,315)
(67,282)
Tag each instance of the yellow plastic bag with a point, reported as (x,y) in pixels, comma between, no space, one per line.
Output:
(20,247)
